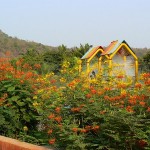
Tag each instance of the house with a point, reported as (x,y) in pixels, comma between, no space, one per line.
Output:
(90,67)
(118,58)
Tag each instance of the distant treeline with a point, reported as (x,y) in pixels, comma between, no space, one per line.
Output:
(51,58)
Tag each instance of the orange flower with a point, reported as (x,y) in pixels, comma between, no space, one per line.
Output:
(99,93)
(142,103)
(95,128)
(58,119)
(146,75)
(75,109)
(37,66)
(88,128)
(106,97)
(75,129)
(57,109)
(138,85)
(120,76)
(102,112)
(91,101)
(53,81)
(52,141)
(142,143)
(83,130)
(51,116)
(107,88)
(147,82)
(50,131)
(148,109)
(129,109)
(88,96)
(82,105)
(71,84)
(93,91)
(22,81)
(132,101)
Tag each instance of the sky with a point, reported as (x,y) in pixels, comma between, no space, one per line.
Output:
(75,22)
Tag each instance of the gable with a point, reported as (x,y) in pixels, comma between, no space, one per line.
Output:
(122,48)
(91,52)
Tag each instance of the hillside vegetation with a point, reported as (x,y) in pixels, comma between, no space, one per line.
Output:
(17,46)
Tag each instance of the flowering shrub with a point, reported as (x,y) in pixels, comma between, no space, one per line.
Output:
(17,104)
(101,114)
(71,111)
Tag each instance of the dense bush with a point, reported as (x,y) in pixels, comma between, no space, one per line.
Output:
(109,115)
(71,111)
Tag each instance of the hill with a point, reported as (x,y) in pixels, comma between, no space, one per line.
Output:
(17,46)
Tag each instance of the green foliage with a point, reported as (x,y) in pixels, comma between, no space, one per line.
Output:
(90,121)
(145,63)
(17,108)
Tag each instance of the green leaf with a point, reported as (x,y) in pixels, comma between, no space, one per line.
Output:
(2,120)
(12,88)
(26,118)
(15,98)
(20,103)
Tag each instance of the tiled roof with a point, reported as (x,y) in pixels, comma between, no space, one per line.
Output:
(90,52)
(111,48)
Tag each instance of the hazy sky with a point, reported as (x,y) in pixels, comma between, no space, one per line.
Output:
(71,22)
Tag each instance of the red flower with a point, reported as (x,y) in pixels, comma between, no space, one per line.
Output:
(52,141)
(53,81)
(83,130)
(75,129)
(51,116)
(93,91)
(142,103)
(138,85)
(58,119)
(91,101)
(129,109)
(141,143)
(148,109)
(88,128)
(120,76)
(50,131)
(95,128)
(75,109)
(57,109)
(88,96)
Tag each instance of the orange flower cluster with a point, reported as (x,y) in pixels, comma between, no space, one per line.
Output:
(52,141)
(122,85)
(115,98)
(88,95)
(94,128)
(57,109)
(148,109)
(53,81)
(50,131)
(88,128)
(138,85)
(120,76)
(147,82)
(75,129)
(146,75)
(58,119)
(37,66)
(129,109)
(51,116)
(76,109)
